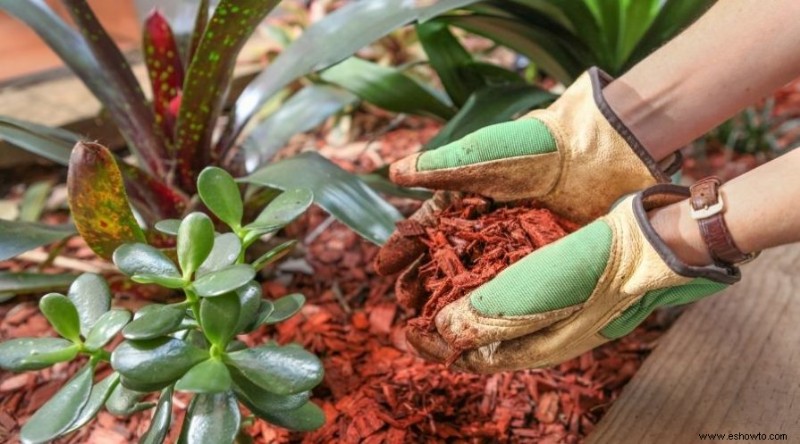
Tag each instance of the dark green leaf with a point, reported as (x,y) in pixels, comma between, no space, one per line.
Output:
(195,241)
(125,402)
(282,370)
(19,237)
(208,78)
(448,57)
(142,259)
(491,105)
(211,418)
(51,143)
(22,282)
(340,193)
(260,400)
(274,254)
(304,419)
(104,330)
(249,300)
(265,309)
(156,322)
(388,88)
(285,308)
(100,393)
(221,195)
(168,226)
(348,29)
(209,376)
(304,111)
(91,297)
(219,317)
(33,201)
(62,315)
(35,353)
(57,414)
(155,363)
(381,184)
(224,280)
(226,250)
(97,198)
(159,424)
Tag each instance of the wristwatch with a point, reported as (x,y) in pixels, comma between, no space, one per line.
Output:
(708,209)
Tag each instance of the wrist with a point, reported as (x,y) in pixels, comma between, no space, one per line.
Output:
(675,226)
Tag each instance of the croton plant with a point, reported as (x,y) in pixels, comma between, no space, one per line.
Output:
(186,346)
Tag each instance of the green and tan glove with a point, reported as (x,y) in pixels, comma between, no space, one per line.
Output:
(570,296)
(577,157)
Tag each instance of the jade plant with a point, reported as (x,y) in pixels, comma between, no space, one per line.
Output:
(186,346)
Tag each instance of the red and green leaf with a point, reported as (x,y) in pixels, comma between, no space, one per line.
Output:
(207,81)
(164,68)
(154,199)
(97,199)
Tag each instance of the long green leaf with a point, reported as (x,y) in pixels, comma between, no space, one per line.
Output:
(386,87)
(448,57)
(101,73)
(19,237)
(207,80)
(342,194)
(494,104)
(302,112)
(51,143)
(19,283)
(98,200)
(57,414)
(329,41)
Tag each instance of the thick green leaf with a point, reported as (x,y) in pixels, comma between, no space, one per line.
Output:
(211,418)
(285,308)
(195,241)
(168,226)
(57,414)
(388,88)
(156,322)
(210,376)
(223,281)
(155,363)
(285,208)
(62,315)
(142,259)
(304,419)
(125,402)
(97,198)
(302,112)
(51,143)
(107,76)
(104,330)
(265,309)
(207,81)
(249,301)
(22,282)
(340,193)
(491,105)
(35,353)
(221,195)
(164,281)
(282,370)
(262,400)
(34,200)
(19,237)
(219,317)
(274,254)
(448,57)
(159,424)
(92,298)
(100,393)
(226,250)
(346,30)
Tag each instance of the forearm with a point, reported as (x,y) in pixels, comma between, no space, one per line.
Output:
(761,212)
(735,54)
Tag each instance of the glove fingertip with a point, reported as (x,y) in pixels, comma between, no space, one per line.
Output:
(404,171)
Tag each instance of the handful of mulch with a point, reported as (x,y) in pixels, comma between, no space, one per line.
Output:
(471,241)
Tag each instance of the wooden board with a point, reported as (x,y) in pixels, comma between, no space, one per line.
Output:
(730,364)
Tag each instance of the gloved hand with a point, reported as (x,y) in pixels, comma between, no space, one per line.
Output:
(570,296)
(576,157)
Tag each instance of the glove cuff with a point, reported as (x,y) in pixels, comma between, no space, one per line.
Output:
(600,79)
(662,195)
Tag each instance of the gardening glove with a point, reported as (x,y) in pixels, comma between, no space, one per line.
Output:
(592,286)
(576,157)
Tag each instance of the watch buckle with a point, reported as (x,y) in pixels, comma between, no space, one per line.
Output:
(708,210)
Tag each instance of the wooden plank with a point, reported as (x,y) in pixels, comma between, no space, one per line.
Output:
(730,364)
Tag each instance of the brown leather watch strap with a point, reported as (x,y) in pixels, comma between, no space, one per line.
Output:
(708,209)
